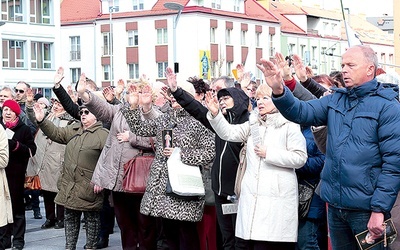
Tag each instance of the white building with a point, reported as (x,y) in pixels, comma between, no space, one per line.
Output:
(30,36)
(228,33)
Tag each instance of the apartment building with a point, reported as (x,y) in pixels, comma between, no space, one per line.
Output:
(30,35)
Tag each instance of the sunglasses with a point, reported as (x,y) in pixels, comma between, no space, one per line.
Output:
(21,91)
(86,112)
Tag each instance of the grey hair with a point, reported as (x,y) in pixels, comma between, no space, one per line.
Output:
(369,55)
(10,90)
(228,81)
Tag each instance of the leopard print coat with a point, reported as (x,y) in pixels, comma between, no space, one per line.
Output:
(198,149)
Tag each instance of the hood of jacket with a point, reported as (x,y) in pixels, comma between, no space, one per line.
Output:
(239,113)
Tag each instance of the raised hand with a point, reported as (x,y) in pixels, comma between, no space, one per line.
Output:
(166,92)
(58,77)
(299,68)
(245,80)
(133,96)
(120,88)
(108,93)
(72,94)
(81,88)
(283,66)
(272,75)
(240,71)
(171,79)
(309,71)
(39,112)
(146,98)
(29,96)
(212,103)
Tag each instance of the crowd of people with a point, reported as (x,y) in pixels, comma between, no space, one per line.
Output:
(296,128)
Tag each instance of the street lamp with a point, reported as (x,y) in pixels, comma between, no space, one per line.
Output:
(179,8)
(111,9)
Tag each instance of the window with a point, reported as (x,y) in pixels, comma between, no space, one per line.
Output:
(271,45)
(162,36)
(258,37)
(291,47)
(228,36)
(75,48)
(133,38)
(116,6)
(138,4)
(107,50)
(106,72)
(133,71)
(75,74)
(40,11)
(212,35)
(243,37)
(12,10)
(236,6)
(161,69)
(41,55)
(216,4)
(214,67)
(229,68)
(13,54)
(302,49)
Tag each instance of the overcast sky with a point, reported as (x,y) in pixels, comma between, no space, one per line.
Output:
(369,7)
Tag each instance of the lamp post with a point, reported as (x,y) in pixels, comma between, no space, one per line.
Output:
(111,9)
(179,8)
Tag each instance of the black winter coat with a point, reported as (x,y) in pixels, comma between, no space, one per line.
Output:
(223,172)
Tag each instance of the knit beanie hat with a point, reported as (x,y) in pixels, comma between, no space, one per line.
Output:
(44,101)
(13,105)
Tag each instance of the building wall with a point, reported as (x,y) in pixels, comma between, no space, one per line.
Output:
(32,32)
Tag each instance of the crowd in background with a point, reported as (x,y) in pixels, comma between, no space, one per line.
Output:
(297,128)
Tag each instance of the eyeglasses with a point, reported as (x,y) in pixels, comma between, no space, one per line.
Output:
(86,112)
(21,91)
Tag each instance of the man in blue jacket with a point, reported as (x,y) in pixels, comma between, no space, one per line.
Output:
(360,179)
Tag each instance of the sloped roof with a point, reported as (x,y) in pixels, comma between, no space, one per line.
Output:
(280,9)
(92,10)
(79,11)
(367,32)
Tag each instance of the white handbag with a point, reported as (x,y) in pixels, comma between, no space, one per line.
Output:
(185,180)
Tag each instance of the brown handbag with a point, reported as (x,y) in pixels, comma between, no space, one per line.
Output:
(32,182)
(136,172)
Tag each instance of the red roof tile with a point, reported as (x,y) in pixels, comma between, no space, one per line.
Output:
(78,10)
(91,9)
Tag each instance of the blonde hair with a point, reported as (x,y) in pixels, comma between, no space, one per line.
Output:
(263,90)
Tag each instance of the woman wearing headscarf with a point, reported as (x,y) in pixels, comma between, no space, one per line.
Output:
(21,147)
(84,143)
(136,229)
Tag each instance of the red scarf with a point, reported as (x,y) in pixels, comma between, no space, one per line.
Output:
(12,124)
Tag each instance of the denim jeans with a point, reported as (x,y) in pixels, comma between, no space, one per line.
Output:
(312,235)
(344,224)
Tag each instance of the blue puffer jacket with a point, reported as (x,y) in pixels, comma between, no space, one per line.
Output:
(362,167)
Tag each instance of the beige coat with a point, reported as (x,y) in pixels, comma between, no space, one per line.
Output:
(49,156)
(5,198)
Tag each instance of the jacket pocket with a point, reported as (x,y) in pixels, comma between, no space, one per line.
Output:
(85,189)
